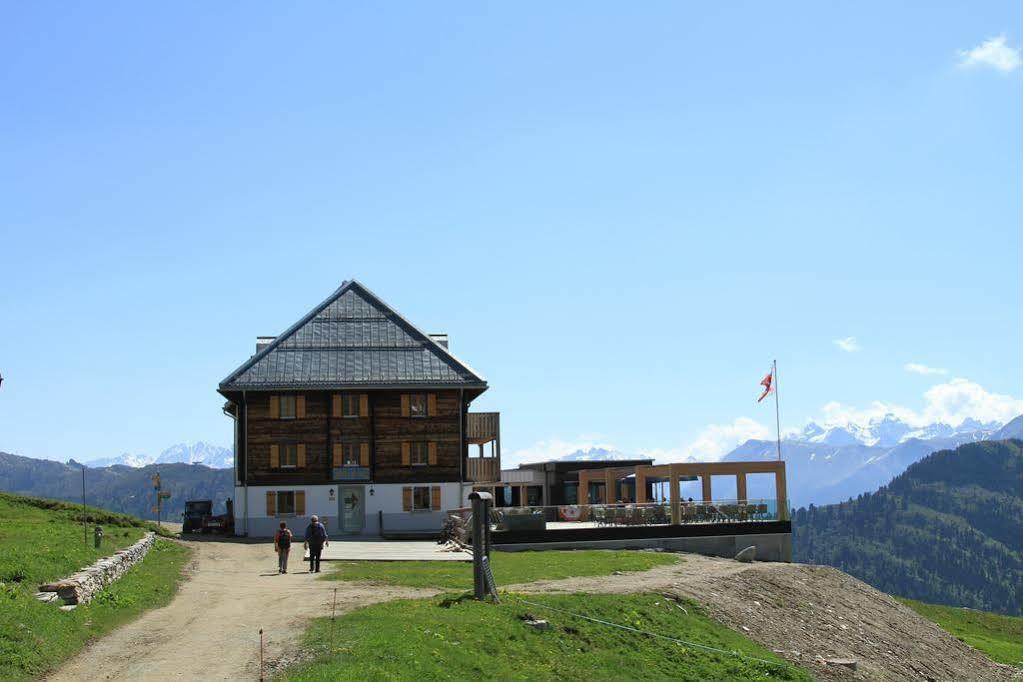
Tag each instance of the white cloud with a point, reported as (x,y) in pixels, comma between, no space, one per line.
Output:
(950,403)
(917,368)
(710,444)
(961,399)
(553,448)
(849,344)
(717,440)
(994,53)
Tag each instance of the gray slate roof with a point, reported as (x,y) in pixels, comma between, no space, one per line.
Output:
(353,339)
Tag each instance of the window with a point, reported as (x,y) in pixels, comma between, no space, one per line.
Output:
(419,454)
(350,454)
(417,405)
(571,492)
(288,407)
(421,498)
(285,502)
(289,453)
(350,405)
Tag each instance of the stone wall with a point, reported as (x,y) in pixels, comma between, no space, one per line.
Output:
(81,587)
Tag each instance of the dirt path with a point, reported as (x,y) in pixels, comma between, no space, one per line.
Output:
(806,614)
(211,629)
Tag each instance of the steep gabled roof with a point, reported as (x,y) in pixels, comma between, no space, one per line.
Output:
(352,339)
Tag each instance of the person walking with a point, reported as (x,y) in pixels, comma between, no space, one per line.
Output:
(315,541)
(282,545)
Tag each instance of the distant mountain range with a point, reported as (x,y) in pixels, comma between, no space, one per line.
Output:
(119,487)
(948,530)
(827,464)
(596,454)
(212,456)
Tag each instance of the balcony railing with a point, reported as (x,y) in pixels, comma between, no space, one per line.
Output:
(483,469)
(483,427)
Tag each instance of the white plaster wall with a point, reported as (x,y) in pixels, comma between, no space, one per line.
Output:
(386,498)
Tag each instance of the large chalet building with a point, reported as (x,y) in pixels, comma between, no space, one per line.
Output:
(355,415)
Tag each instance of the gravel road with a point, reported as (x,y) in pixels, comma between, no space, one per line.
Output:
(210,631)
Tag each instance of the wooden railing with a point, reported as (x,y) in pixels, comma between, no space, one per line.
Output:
(483,469)
(483,427)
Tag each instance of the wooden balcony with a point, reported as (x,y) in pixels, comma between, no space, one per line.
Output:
(483,469)
(483,427)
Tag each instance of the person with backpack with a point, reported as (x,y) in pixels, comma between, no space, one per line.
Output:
(315,540)
(282,545)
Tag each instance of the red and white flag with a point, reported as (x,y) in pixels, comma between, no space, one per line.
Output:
(768,383)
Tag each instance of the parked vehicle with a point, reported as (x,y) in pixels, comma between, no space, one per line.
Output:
(199,518)
(195,513)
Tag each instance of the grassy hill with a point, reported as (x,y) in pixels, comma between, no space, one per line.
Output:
(119,488)
(42,540)
(998,636)
(947,531)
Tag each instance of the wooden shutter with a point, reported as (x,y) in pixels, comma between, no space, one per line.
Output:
(364,405)
(431,405)
(271,503)
(406,498)
(338,455)
(405,410)
(275,407)
(364,454)
(299,503)
(406,453)
(300,407)
(435,498)
(301,456)
(275,457)
(432,453)
(335,403)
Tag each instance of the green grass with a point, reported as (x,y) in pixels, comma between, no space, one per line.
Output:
(446,638)
(998,636)
(509,568)
(42,541)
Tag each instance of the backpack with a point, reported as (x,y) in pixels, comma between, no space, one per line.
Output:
(317,533)
(284,538)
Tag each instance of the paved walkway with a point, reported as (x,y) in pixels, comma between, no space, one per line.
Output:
(389,550)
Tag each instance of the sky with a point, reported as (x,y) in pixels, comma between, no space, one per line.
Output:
(621,214)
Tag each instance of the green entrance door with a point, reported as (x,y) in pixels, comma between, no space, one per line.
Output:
(352,513)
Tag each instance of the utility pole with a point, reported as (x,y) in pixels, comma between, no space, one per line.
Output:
(85,525)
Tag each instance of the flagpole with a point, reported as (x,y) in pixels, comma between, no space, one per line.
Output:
(777,411)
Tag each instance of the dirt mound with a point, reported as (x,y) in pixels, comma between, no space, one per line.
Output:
(808,614)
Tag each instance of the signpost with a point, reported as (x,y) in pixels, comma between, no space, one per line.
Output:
(160,496)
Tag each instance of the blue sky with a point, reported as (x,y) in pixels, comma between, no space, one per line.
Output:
(621,215)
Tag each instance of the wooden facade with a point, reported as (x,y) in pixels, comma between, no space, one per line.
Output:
(382,440)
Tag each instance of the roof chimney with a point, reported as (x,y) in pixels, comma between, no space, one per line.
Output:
(264,341)
(441,339)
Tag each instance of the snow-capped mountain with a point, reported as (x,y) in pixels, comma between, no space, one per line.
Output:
(888,431)
(212,456)
(592,454)
(832,463)
(135,461)
(1014,429)
(198,453)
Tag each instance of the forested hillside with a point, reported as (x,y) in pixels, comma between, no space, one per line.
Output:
(117,488)
(949,530)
